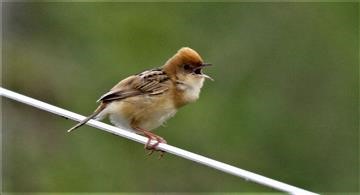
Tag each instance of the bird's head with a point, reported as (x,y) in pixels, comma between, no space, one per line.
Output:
(186,64)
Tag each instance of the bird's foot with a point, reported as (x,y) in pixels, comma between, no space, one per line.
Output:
(152,137)
(153,147)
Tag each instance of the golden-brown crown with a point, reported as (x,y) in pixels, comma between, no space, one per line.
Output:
(189,55)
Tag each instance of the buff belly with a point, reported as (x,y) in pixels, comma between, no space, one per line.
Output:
(147,113)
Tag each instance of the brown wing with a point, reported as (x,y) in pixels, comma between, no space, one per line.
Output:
(150,82)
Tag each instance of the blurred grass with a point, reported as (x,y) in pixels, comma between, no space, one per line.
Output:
(284,102)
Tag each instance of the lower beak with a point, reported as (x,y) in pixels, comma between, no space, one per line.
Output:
(207,77)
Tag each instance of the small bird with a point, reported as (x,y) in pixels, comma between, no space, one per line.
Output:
(144,101)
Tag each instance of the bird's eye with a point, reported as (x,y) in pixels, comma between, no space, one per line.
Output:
(187,67)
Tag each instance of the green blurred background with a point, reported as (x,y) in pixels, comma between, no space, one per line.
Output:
(284,102)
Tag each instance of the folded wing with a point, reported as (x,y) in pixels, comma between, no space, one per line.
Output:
(151,82)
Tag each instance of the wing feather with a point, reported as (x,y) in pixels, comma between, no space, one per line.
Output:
(150,82)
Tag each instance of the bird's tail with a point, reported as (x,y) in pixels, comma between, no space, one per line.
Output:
(96,112)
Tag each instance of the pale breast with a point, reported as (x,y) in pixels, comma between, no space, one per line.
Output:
(191,89)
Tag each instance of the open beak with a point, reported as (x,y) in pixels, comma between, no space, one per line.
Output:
(204,75)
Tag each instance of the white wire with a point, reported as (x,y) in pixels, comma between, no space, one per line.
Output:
(248,176)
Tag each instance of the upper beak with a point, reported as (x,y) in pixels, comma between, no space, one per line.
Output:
(206,64)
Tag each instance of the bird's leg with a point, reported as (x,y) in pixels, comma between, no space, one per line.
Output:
(152,136)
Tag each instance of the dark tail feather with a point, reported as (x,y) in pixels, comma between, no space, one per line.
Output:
(96,112)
